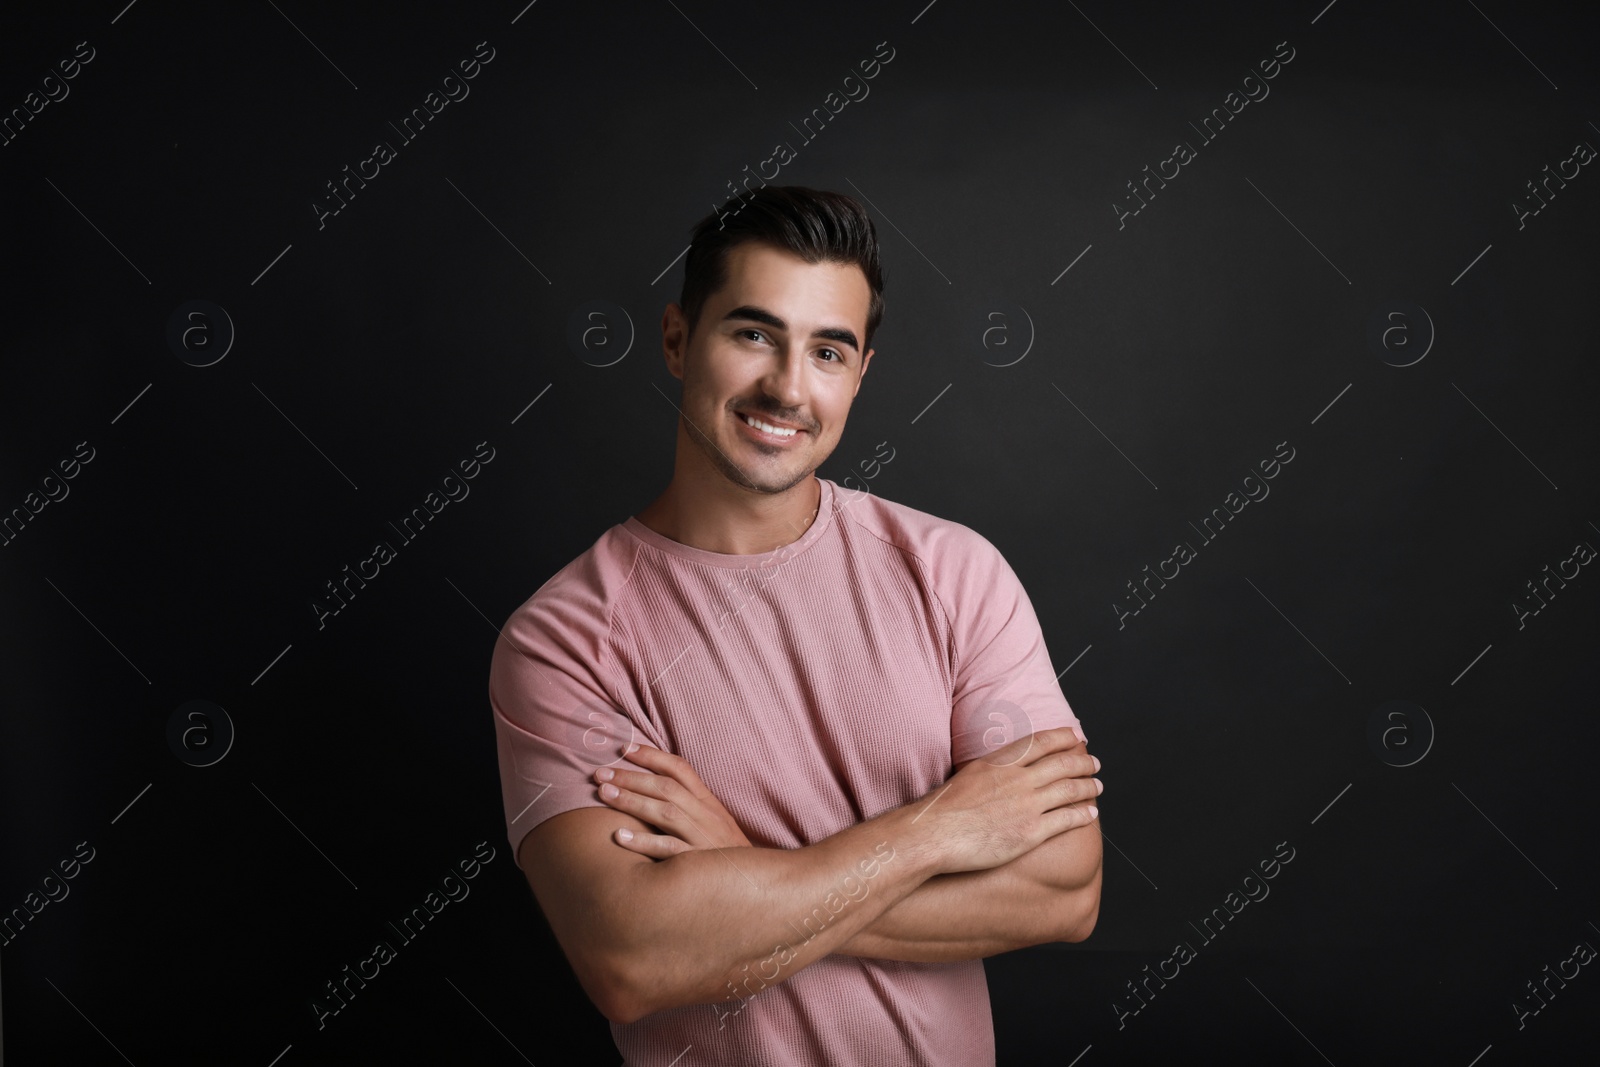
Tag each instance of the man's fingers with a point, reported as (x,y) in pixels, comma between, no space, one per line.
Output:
(1065,791)
(1033,747)
(671,797)
(645,783)
(1070,818)
(658,813)
(665,763)
(1071,763)
(656,846)
(1059,754)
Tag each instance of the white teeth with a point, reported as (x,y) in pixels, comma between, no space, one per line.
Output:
(768,427)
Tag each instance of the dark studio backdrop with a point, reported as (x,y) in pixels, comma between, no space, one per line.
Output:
(1259,338)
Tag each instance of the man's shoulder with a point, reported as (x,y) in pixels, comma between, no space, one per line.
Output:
(582,594)
(940,543)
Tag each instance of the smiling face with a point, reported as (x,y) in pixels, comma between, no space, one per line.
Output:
(779,342)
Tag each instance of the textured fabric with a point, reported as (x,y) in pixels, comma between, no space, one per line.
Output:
(811,688)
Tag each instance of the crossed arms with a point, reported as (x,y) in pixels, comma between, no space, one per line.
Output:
(1004,855)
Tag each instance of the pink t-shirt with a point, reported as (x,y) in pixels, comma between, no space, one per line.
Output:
(811,688)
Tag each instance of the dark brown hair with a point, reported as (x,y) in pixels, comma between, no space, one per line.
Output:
(816,225)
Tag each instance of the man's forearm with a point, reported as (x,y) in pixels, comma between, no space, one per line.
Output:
(710,925)
(1048,894)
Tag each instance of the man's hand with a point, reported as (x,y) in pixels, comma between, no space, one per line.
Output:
(671,798)
(1051,893)
(1011,801)
(1000,806)
(683,928)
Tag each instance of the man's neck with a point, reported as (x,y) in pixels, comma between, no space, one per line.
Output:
(746,524)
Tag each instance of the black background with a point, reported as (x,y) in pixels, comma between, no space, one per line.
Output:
(373,354)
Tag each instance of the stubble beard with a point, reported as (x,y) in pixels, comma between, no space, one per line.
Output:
(733,472)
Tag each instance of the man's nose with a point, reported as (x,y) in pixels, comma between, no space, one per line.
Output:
(785,382)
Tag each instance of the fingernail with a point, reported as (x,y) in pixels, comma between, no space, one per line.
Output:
(624,835)
(1096,762)
(1094,812)
(605,774)
(632,749)
(609,792)
(1099,787)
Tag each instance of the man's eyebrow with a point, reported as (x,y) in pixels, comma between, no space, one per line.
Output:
(837,334)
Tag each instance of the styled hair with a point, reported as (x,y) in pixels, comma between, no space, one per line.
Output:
(816,225)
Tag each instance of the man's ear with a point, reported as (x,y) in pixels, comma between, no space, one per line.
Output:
(674,338)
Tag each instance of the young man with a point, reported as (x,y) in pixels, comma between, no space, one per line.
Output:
(782,763)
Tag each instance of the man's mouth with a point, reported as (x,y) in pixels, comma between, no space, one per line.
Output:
(771,429)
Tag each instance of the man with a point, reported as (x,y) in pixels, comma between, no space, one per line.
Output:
(727,730)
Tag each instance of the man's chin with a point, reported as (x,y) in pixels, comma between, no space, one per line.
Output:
(771,481)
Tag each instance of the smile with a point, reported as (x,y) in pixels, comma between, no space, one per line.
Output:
(766,430)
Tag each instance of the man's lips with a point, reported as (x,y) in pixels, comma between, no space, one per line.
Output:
(770,421)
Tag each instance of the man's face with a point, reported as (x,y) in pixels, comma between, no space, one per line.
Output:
(781,341)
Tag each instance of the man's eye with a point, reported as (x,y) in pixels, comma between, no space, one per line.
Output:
(834,354)
(746,333)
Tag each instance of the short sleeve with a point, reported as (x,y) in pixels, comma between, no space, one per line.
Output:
(555,721)
(1004,685)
